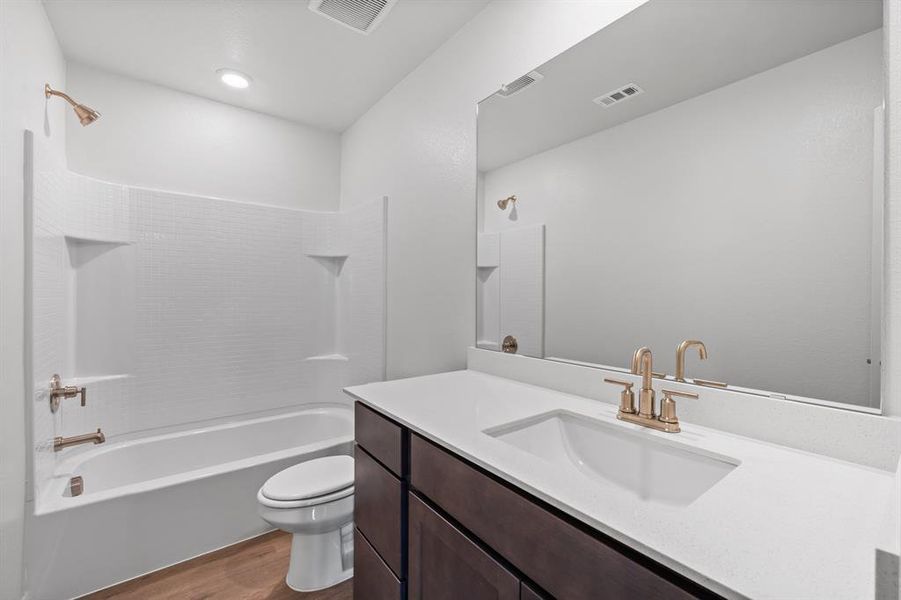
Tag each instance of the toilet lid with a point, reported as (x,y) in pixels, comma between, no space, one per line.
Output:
(310,479)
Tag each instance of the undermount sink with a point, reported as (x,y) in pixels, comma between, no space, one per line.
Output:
(653,469)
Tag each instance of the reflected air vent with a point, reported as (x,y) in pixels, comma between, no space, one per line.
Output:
(618,95)
(363,16)
(518,85)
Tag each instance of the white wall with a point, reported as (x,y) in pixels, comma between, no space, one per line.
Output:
(29,57)
(156,137)
(417,146)
(732,217)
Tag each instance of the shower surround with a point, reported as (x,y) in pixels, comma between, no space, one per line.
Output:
(183,313)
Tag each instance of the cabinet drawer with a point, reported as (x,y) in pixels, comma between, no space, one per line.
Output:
(447,565)
(380,437)
(373,580)
(567,562)
(379,509)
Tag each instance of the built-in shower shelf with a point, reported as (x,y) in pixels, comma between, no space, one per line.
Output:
(77,239)
(89,379)
(341,255)
(333,263)
(327,357)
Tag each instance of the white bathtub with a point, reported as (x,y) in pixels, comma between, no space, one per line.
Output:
(158,500)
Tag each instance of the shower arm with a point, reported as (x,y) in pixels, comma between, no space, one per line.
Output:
(49,91)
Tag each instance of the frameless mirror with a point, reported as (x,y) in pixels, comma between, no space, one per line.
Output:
(695,170)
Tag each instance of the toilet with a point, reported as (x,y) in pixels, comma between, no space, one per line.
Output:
(314,501)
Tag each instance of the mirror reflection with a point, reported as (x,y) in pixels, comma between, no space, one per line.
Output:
(695,171)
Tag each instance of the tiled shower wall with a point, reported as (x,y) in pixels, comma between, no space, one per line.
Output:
(176,309)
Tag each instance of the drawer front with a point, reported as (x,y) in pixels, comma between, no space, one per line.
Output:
(380,437)
(447,565)
(373,580)
(379,509)
(561,558)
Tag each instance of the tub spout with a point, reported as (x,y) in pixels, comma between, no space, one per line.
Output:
(64,442)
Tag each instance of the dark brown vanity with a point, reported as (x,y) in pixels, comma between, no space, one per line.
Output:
(432,526)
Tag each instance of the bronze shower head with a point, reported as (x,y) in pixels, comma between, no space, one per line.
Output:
(502,204)
(85,114)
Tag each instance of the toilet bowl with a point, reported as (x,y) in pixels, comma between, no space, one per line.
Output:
(314,501)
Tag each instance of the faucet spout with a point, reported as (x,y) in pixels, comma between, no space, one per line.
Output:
(680,356)
(60,443)
(643,364)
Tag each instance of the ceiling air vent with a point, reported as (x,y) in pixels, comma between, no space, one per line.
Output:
(618,95)
(518,85)
(363,16)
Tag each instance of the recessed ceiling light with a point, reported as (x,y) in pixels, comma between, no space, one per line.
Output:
(234,79)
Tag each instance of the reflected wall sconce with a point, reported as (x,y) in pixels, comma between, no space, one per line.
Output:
(502,204)
(86,115)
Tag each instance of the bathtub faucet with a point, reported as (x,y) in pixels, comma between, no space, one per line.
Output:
(64,442)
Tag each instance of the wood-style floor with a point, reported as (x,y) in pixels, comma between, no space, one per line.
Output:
(252,570)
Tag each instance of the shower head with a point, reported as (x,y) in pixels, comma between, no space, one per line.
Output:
(502,204)
(86,115)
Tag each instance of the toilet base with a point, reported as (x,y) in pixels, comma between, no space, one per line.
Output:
(321,560)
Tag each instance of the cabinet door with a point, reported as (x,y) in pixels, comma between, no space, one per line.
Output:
(373,580)
(446,565)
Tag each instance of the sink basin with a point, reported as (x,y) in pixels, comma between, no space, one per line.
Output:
(652,469)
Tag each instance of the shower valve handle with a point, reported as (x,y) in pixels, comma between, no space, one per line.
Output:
(58,392)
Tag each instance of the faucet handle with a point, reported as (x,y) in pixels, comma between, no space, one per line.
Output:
(709,383)
(58,391)
(626,397)
(668,408)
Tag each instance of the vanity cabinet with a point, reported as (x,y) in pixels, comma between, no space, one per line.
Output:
(446,529)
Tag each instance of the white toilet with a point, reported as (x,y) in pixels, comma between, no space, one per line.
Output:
(314,501)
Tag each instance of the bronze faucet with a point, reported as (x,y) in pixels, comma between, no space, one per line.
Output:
(680,356)
(680,363)
(642,364)
(64,442)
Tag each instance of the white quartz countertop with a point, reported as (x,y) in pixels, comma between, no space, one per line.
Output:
(784,524)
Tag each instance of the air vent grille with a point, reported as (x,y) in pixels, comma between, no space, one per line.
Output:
(518,85)
(619,95)
(360,15)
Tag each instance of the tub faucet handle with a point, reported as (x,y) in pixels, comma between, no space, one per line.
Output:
(58,391)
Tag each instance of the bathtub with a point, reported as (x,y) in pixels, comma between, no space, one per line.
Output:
(155,501)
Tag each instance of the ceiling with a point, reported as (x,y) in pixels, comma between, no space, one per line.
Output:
(304,67)
(674,50)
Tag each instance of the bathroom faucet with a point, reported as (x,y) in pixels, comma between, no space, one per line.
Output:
(680,356)
(643,364)
(64,442)
(680,363)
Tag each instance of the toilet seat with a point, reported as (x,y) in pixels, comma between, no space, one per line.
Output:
(318,500)
(309,483)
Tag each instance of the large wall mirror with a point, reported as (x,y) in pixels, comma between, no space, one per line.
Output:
(695,171)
